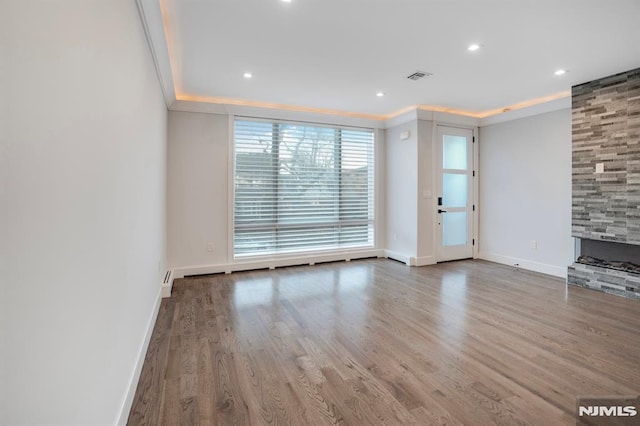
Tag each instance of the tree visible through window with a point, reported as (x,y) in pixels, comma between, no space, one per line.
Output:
(301,187)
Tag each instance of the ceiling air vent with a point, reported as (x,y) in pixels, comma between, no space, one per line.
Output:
(418,75)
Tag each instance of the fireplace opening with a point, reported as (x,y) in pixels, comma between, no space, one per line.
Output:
(607,254)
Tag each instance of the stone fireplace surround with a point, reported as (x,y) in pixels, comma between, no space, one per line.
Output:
(614,279)
(606,183)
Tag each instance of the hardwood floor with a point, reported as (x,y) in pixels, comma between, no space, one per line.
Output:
(376,342)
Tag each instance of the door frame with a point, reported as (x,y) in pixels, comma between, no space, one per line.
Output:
(474,186)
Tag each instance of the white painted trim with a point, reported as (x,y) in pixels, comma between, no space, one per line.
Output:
(476,192)
(423,261)
(455,120)
(544,268)
(125,407)
(276,114)
(379,220)
(274,262)
(201,107)
(435,190)
(231,186)
(166,288)
(423,114)
(550,106)
(406,117)
(442,118)
(154,32)
(475,195)
(398,256)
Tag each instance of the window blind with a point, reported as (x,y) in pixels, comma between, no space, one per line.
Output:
(300,187)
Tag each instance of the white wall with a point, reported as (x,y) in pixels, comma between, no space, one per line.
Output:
(83,174)
(198,188)
(198,197)
(401,161)
(425,193)
(381,189)
(525,192)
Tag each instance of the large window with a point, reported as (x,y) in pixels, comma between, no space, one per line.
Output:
(300,187)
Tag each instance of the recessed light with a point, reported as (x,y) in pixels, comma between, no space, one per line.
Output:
(473,47)
(380,94)
(286,1)
(247,75)
(560,72)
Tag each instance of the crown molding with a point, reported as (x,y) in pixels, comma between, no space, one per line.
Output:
(316,115)
(153,22)
(273,111)
(157,25)
(528,111)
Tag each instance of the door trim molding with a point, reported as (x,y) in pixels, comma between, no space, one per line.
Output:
(475,184)
(476,192)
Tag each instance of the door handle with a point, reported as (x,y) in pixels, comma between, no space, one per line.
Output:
(441,211)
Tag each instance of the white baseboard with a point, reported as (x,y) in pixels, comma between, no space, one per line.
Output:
(544,268)
(398,256)
(167,284)
(410,260)
(181,272)
(135,376)
(423,261)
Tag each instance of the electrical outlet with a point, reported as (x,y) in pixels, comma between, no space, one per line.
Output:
(210,247)
(395,236)
(534,244)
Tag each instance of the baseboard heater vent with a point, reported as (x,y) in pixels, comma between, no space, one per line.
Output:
(213,273)
(167,283)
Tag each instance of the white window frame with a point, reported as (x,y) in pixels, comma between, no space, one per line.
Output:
(375,200)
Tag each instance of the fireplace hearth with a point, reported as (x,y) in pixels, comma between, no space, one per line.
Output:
(607,266)
(605,279)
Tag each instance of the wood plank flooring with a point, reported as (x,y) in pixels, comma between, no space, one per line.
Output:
(374,342)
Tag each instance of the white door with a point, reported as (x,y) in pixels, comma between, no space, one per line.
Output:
(455,208)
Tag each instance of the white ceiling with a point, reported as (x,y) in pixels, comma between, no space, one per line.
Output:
(336,54)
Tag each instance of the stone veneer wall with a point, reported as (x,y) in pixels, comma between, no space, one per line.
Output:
(611,281)
(606,206)
(606,129)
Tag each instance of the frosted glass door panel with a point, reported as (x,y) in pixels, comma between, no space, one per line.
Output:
(454,190)
(454,152)
(454,206)
(454,229)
